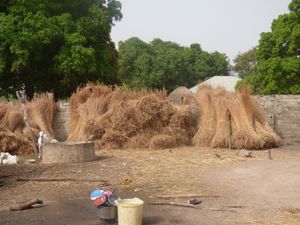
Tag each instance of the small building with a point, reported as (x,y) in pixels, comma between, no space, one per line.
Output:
(226,82)
(181,95)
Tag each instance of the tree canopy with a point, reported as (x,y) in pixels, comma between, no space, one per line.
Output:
(164,64)
(245,63)
(56,45)
(278,56)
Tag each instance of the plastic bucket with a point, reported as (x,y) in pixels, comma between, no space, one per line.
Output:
(130,211)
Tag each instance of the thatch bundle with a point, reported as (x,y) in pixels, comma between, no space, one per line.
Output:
(232,120)
(14,133)
(12,143)
(181,95)
(121,118)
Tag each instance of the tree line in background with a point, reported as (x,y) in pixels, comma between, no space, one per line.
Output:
(164,64)
(273,67)
(58,45)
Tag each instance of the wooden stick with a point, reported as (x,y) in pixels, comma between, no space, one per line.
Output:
(7,175)
(235,206)
(270,154)
(47,179)
(26,205)
(173,204)
(189,196)
(221,210)
(229,130)
(22,98)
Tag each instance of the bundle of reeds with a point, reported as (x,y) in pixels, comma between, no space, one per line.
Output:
(9,142)
(41,111)
(121,118)
(232,120)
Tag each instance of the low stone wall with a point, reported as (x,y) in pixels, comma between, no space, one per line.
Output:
(68,152)
(283,114)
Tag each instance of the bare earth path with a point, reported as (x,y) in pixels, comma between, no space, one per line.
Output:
(233,190)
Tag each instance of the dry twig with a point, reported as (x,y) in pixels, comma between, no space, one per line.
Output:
(173,204)
(26,205)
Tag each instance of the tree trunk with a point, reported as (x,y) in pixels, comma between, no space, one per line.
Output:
(29,90)
(28,86)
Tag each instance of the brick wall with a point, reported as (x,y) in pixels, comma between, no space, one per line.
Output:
(283,114)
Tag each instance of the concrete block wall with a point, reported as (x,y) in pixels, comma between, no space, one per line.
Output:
(61,122)
(282,111)
(283,114)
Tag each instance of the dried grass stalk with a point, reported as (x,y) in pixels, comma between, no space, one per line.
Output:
(121,118)
(15,136)
(234,120)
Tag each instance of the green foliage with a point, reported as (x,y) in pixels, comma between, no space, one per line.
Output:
(278,56)
(163,64)
(56,45)
(245,63)
(275,76)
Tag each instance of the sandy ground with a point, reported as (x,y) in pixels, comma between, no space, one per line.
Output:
(233,190)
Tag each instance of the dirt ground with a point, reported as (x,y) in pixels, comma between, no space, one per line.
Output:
(233,190)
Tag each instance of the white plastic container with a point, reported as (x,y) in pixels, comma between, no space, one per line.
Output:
(130,211)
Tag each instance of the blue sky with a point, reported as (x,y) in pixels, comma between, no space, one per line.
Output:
(228,26)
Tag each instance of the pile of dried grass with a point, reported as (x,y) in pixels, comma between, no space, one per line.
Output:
(9,142)
(119,118)
(41,112)
(232,120)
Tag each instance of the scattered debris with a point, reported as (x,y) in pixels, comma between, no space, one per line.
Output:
(26,205)
(228,208)
(31,161)
(1,182)
(218,156)
(127,181)
(47,179)
(291,210)
(194,201)
(222,210)
(8,159)
(235,206)
(245,153)
(270,154)
(188,196)
(173,204)
(54,141)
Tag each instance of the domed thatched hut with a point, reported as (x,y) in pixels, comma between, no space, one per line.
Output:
(181,95)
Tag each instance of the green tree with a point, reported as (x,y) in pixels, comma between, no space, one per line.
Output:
(278,56)
(245,63)
(56,45)
(164,64)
